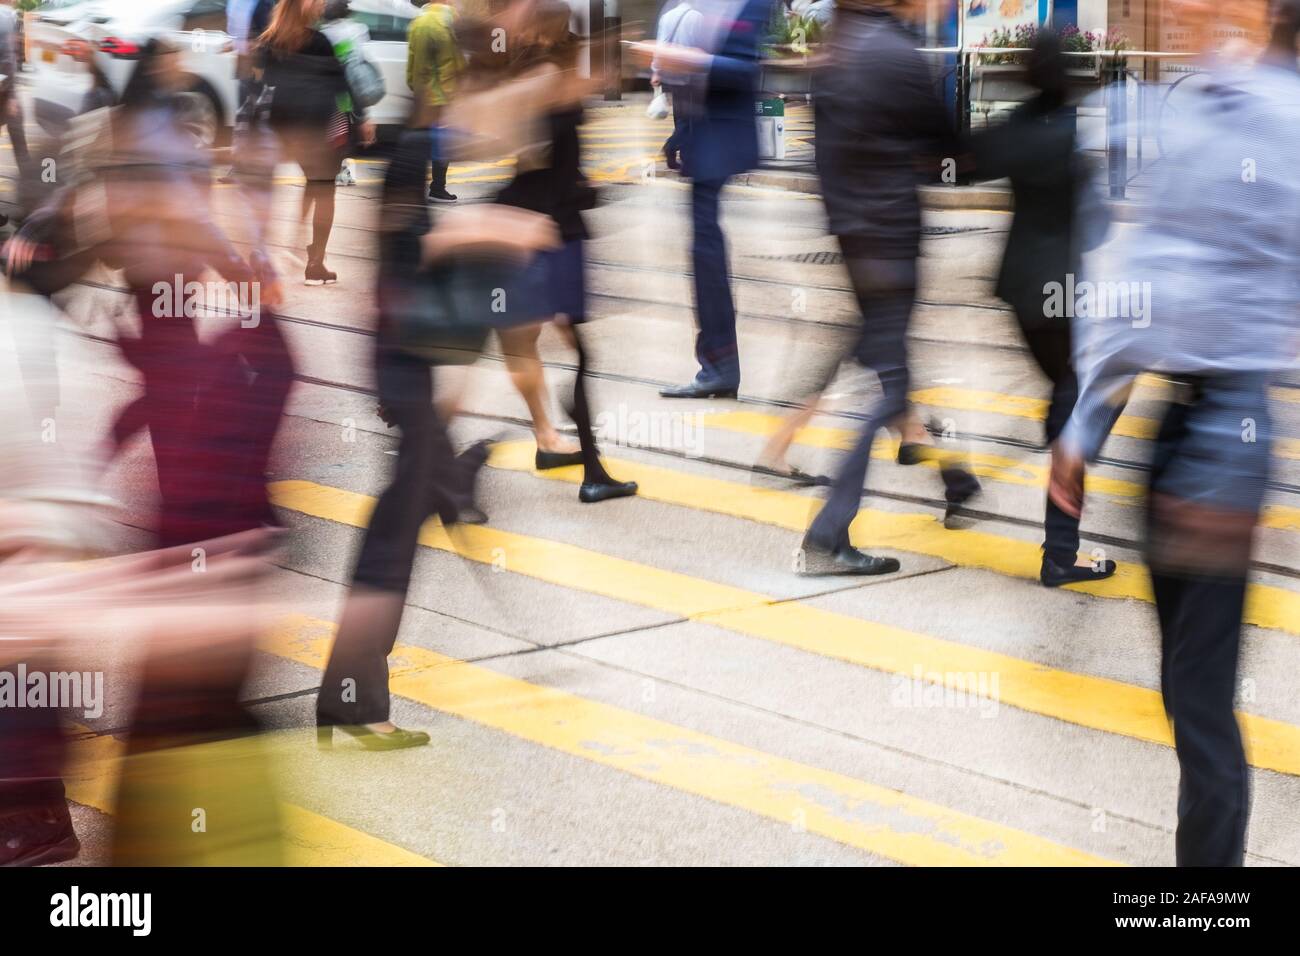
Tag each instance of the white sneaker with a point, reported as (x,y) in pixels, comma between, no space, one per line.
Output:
(347,175)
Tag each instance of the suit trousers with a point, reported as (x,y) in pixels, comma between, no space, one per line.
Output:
(715,342)
(886,291)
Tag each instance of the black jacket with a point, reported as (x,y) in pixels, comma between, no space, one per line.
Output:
(1035,149)
(308,83)
(879,122)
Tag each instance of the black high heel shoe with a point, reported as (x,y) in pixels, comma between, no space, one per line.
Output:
(397,739)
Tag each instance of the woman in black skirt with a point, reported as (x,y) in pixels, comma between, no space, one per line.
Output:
(551,182)
(311,114)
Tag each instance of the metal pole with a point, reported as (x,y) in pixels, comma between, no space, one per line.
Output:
(1117,129)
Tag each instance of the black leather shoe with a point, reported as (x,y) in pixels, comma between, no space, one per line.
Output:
(819,561)
(594,491)
(547,460)
(701,388)
(910,453)
(1054,575)
(960,486)
(397,739)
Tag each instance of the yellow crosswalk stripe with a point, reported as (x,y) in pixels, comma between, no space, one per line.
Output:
(1267,606)
(1092,702)
(993,467)
(308,838)
(1020,406)
(885,822)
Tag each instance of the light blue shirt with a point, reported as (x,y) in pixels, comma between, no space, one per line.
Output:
(1211,270)
(681,26)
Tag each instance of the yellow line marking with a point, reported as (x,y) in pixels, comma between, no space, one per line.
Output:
(995,467)
(1266,605)
(1092,702)
(308,839)
(1020,406)
(850,811)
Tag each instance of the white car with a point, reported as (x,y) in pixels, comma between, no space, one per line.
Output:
(114,29)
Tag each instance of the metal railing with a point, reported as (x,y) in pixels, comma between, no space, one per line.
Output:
(1113,80)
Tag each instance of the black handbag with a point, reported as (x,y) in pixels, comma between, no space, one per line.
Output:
(443,314)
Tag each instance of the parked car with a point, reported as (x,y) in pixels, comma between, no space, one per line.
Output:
(115,29)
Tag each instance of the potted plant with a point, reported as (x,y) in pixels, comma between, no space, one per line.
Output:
(1000,77)
(792,35)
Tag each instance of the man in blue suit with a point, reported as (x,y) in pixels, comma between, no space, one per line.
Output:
(721,141)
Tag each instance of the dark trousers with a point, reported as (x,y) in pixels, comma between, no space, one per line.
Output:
(1200,638)
(32,748)
(681,113)
(715,342)
(886,290)
(428,480)
(1207,486)
(1052,348)
(438,180)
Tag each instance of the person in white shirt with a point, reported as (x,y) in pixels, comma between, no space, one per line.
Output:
(679,25)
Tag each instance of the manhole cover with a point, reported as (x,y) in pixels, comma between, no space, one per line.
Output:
(950,230)
(808,258)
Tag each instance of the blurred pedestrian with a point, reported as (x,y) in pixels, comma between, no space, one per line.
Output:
(11,109)
(1036,150)
(1215,258)
(311,112)
(434,63)
(549,180)
(429,478)
(721,141)
(678,25)
(879,119)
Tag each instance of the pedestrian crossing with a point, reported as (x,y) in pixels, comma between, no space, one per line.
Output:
(983,464)
(857,813)
(1267,606)
(1079,699)
(849,811)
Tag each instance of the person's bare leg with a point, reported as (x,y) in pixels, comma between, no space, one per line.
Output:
(778,445)
(912,431)
(520,348)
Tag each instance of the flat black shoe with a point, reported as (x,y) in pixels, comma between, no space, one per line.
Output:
(960,487)
(911,453)
(440,195)
(594,491)
(546,460)
(397,739)
(793,475)
(819,561)
(1054,575)
(700,389)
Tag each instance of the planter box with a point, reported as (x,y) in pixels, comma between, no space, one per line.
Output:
(785,76)
(1006,83)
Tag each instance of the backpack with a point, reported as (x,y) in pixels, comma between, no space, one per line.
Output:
(365,81)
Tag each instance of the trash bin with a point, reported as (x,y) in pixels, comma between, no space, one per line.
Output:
(771,128)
